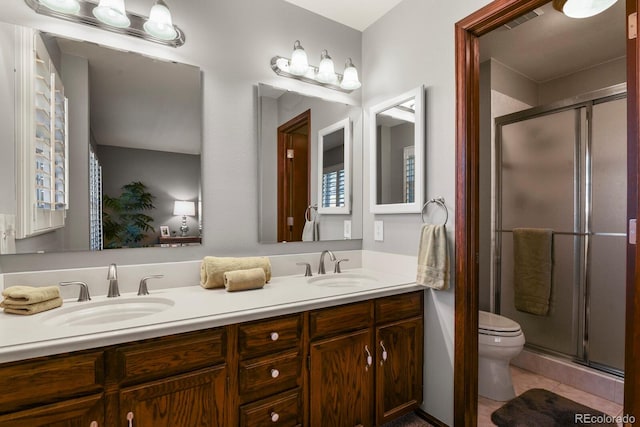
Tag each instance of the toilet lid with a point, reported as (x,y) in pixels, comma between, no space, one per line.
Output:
(493,324)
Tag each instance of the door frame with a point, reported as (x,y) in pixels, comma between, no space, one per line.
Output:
(467,33)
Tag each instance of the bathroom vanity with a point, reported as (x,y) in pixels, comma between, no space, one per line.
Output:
(265,364)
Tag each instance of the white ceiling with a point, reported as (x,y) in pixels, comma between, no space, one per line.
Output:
(358,14)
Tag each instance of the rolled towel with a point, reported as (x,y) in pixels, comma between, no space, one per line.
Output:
(213,268)
(29,309)
(24,295)
(241,280)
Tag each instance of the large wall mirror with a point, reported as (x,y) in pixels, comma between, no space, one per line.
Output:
(397,156)
(310,156)
(133,145)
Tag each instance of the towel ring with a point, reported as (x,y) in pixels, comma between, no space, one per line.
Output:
(310,209)
(440,202)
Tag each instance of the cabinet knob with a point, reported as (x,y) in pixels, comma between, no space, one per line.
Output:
(274,417)
(384,353)
(93,424)
(130,418)
(369,358)
(275,373)
(274,336)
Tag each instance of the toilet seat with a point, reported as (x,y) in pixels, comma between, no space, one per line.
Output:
(496,325)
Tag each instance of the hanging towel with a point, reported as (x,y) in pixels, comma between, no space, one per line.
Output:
(309,231)
(213,268)
(532,269)
(433,257)
(242,280)
(7,234)
(24,295)
(27,309)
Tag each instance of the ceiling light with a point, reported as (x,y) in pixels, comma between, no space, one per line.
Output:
(582,8)
(160,24)
(326,70)
(299,64)
(350,78)
(112,12)
(63,6)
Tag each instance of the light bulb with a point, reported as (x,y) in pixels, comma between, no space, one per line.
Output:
(350,78)
(63,6)
(586,8)
(326,71)
(160,24)
(112,12)
(299,64)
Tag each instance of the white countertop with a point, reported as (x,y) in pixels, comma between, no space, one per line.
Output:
(194,308)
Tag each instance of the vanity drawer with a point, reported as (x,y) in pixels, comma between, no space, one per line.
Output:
(51,379)
(171,355)
(284,410)
(398,307)
(344,318)
(269,336)
(268,375)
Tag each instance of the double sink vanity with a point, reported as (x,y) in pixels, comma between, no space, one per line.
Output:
(333,349)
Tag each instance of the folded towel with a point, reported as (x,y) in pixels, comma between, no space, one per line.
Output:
(311,231)
(213,268)
(29,309)
(241,280)
(532,265)
(22,295)
(433,257)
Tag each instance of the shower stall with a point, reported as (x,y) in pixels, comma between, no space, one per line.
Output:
(564,167)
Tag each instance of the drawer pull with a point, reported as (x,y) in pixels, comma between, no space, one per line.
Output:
(274,336)
(130,419)
(384,353)
(93,424)
(274,417)
(275,373)
(369,358)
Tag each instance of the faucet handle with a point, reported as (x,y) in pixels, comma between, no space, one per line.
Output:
(142,289)
(307,271)
(84,290)
(112,273)
(336,266)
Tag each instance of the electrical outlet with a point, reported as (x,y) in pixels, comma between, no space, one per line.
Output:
(378,231)
(347,229)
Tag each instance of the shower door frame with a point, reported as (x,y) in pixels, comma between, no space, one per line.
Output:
(582,209)
(467,63)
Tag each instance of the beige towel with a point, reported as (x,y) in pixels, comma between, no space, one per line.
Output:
(23,295)
(213,268)
(241,280)
(433,257)
(31,308)
(532,265)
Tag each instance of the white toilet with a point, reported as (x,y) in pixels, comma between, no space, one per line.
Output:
(499,340)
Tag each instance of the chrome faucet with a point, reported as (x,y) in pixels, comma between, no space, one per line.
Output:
(112,277)
(332,257)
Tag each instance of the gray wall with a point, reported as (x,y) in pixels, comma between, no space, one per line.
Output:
(7,117)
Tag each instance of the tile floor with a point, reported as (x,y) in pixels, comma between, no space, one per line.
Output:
(524,380)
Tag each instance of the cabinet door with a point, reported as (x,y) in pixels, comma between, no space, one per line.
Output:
(195,400)
(399,371)
(82,412)
(341,380)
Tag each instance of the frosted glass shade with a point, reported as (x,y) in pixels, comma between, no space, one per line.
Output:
(586,8)
(184,208)
(63,6)
(299,63)
(112,12)
(326,70)
(160,24)
(350,78)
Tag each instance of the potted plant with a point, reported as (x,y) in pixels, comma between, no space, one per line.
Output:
(123,219)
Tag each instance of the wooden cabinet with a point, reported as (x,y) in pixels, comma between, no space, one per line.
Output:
(82,412)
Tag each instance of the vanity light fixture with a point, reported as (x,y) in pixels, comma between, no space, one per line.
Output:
(111,15)
(324,75)
(582,8)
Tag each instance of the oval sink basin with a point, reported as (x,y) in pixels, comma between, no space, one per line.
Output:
(107,311)
(343,280)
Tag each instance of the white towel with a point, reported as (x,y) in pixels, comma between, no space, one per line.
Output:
(311,231)
(7,234)
(433,257)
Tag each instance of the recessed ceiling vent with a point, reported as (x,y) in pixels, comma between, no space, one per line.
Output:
(524,18)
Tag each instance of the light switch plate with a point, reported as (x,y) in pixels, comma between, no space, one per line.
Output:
(378,231)
(347,229)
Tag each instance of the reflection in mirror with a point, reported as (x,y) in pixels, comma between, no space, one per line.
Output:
(292,164)
(133,146)
(397,160)
(334,148)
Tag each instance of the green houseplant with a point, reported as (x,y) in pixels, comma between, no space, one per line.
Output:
(123,219)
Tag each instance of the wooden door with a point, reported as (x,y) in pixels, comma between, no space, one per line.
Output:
(341,381)
(196,400)
(399,368)
(293,176)
(82,412)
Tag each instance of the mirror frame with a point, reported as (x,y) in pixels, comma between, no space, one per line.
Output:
(419,144)
(345,125)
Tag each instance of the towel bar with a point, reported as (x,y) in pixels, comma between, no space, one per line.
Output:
(307,213)
(440,202)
